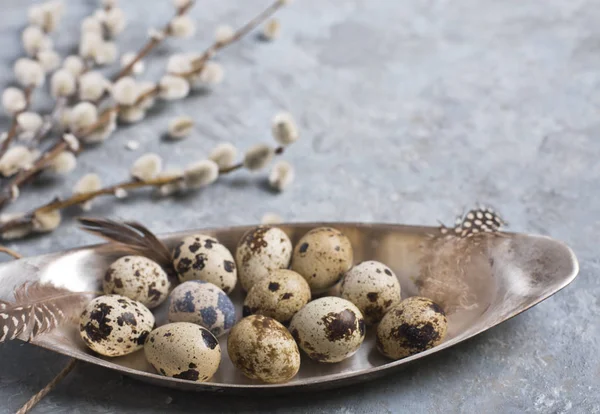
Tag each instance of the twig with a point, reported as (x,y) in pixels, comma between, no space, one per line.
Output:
(151,44)
(10,252)
(12,132)
(33,401)
(198,63)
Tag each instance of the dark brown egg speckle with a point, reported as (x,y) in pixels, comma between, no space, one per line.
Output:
(413,326)
(328,329)
(114,325)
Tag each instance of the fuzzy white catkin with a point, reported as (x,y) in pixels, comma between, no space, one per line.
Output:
(13,100)
(173,187)
(29,121)
(83,115)
(29,72)
(224,155)
(131,114)
(101,133)
(72,142)
(182,26)
(35,40)
(212,74)
(125,91)
(92,86)
(62,83)
(271,30)
(284,128)
(88,184)
(271,218)
(46,221)
(143,88)
(74,64)
(173,87)
(91,24)
(120,193)
(137,68)
(224,33)
(49,60)
(281,176)
(114,21)
(106,53)
(258,157)
(201,174)
(16,158)
(146,167)
(180,127)
(180,4)
(46,15)
(63,163)
(89,44)
(179,63)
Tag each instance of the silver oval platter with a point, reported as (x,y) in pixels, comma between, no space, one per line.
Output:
(507,276)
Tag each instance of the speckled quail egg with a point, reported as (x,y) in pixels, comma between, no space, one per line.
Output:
(260,251)
(114,325)
(202,257)
(414,325)
(322,257)
(138,278)
(279,295)
(183,350)
(373,288)
(263,349)
(328,329)
(202,303)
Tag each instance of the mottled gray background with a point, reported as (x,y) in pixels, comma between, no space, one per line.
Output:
(410,111)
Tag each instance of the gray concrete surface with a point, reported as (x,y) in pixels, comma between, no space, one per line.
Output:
(409,111)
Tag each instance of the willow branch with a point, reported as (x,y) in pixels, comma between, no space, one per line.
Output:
(10,252)
(151,44)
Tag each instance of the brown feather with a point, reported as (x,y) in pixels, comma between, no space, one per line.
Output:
(130,237)
(38,309)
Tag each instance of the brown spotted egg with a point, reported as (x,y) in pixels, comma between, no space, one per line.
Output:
(322,257)
(183,350)
(202,303)
(114,325)
(279,295)
(328,329)
(413,326)
(138,278)
(260,251)
(263,349)
(202,257)
(373,288)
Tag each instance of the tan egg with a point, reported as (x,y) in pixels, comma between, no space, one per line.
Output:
(202,303)
(202,257)
(114,325)
(414,325)
(137,278)
(328,329)
(279,295)
(322,257)
(263,349)
(260,251)
(373,288)
(183,350)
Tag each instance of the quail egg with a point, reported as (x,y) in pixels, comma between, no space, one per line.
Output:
(202,257)
(260,251)
(263,349)
(138,278)
(279,295)
(114,325)
(204,304)
(373,288)
(328,329)
(322,257)
(183,350)
(414,325)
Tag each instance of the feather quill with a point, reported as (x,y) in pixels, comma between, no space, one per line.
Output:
(130,237)
(39,308)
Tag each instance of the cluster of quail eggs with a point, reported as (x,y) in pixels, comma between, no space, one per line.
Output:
(286,310)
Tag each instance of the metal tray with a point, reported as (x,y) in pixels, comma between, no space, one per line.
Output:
(517,272)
